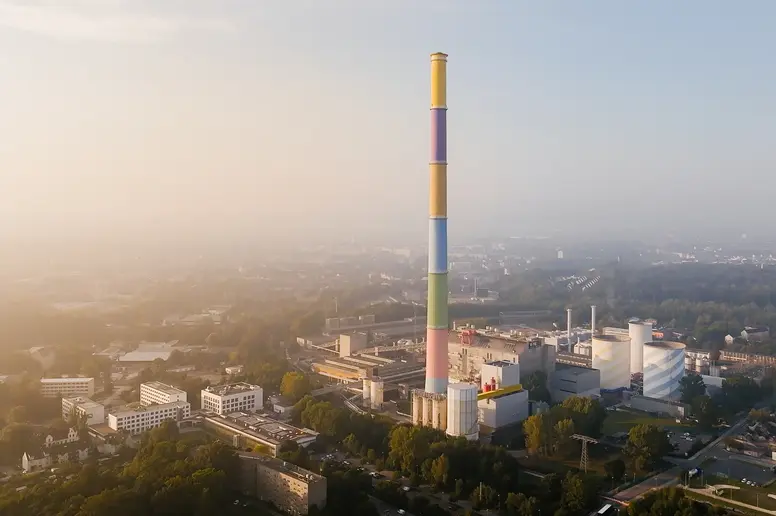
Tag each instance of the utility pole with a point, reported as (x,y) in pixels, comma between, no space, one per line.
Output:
(583,459)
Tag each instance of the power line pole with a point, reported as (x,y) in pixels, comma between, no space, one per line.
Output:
(584,458)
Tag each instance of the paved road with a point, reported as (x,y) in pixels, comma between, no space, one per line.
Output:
(671,476)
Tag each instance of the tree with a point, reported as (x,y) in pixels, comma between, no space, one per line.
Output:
(536,385)
(535,433)
(18,415)
(518,504)
(691,386)
(615,469)
(646,445)
(588,414)
(562,433)
(440,468)
(294,385)
(579,493)
(705,409)
(671,501)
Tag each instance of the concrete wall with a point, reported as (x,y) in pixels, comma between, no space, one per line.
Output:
(351,343)
(658,406)
(503,411)
(570,381)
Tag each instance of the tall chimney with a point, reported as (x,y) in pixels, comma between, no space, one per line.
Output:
(437,325)
(568,327)
(592,320)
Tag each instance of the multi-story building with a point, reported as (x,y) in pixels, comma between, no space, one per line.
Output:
(158,393)
(91,411)
(251,430)
(236,397)
(567,381)
(290,488)
(66,387)
(139,418)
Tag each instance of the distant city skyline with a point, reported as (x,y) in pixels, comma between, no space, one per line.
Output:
(250,121)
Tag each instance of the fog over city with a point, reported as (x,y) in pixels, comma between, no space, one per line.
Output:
(246,121)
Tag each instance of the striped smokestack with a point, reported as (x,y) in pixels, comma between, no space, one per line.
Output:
(436,333)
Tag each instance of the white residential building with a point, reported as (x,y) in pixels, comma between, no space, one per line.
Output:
(140,418)
(60,436)
(236,397)
(91,410)
(66,387)
(158,393)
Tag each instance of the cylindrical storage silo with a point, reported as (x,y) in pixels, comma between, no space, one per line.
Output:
(367,391)
(462,418)
(377,394)
(427,411)
(417,408)
(640,332)
(689,363)
(663,369)
(611,356)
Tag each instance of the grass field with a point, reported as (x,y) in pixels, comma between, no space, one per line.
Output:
(623,421)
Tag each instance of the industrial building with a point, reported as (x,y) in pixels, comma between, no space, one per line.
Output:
(611,356)
(567,381)
(640,332)
(67,387)
(351,343)
(391,367)
(158,393)
(290,488)
(466,356)
(235,397)
(373,393)
(138,418)
(503,401)
(92,412)
(256,430)
(429,409)
(462,412)
(663,369)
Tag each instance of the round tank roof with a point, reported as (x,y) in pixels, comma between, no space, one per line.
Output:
(665,344)
(461,386)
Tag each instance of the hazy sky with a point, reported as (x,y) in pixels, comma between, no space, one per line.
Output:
(249,118)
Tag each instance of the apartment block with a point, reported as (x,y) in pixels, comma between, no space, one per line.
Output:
(139,418)
(93,412)
(290,488)
(66,387)
(236,397)
(158,393)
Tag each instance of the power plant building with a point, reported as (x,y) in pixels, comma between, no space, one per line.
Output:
(498,374)
(568,381)
(462,412)
(640,332)
(467,358)
(611,356)
(663,369)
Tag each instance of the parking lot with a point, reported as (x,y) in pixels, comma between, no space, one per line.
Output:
(737,468)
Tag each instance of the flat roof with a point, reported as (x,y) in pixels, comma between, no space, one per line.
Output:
(138,408)
(573,369)
(69,379)
(501,363)
(82,401)
(282,466)
(611,338)
(665,344)
(262,427)
(159,386)
(232,388)
(144,356)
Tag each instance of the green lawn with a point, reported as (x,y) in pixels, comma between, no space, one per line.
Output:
(623,421)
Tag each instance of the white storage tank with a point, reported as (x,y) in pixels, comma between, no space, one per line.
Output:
(462,411)
(640,332)
(611,356)
(663,369)
(376,398)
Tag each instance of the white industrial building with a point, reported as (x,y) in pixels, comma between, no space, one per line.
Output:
(568,381)
(91,411)
(640,332)
(376,393)
(236,397)
(66,387)
(140,418)
(158,393)
(500,373)
(611,356)
(462,412)
(663,369)
(351,343)
(503,401)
